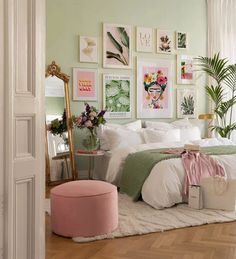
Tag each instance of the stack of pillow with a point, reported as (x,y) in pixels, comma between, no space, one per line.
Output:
(115,135)
(180,130)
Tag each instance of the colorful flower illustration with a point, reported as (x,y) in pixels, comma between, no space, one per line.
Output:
(155,85)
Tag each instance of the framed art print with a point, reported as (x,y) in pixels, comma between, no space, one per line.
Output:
(116,46)
(154,88)
(185,70)
(181,40)
(117,95)
(88,49)
(84,84)
(186,103)
(144,39)
(165,41)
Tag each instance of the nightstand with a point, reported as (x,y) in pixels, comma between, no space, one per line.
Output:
(91,157)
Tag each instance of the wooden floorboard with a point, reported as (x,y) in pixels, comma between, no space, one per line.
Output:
(214,241)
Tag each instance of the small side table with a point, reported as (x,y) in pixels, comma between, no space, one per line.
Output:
(63,156)
(91,157)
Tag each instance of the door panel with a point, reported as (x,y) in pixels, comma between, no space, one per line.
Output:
(24,130)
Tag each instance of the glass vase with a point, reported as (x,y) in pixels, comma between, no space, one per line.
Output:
(91,142)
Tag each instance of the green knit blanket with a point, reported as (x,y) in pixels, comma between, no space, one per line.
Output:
(138,166)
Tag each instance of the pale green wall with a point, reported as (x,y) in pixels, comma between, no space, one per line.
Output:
(67,19)
(54,105)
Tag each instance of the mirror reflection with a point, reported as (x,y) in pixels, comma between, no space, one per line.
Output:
(58,152)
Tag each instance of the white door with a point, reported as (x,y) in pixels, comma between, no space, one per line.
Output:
(24,129)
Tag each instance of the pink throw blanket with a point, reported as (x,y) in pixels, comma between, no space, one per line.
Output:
(197,166)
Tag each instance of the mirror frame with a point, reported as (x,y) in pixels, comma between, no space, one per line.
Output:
(54,70)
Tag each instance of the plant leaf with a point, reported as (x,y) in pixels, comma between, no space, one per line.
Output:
(230,80)
(216,93)
(124,36)
(115,43)
(214,67)
(115,56)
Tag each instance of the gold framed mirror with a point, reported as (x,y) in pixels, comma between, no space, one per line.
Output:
(60,164)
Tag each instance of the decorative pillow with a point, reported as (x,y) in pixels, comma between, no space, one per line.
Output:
(153,136)
(159,125)
(122,137)
(135,125)
(190,133)
(104,141)
(183,123)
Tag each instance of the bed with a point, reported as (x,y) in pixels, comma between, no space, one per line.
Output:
(164,185)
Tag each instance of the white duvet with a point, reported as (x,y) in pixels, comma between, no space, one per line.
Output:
(163,187)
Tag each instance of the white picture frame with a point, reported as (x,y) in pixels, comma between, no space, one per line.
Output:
(185,70)
(144,39)
(116,49)
(165,41)
(88,49)
(117,92)
(85,84)
(155,102)
(187,103)
(181,40)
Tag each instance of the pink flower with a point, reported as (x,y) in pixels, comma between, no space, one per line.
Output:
(88,124)
(93,114)
(161,80)
(78,120)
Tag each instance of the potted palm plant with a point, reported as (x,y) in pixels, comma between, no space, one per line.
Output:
(222,92)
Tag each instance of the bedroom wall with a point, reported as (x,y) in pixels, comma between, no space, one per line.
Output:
(67,19)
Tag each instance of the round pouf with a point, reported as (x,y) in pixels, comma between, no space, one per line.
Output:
(84,208)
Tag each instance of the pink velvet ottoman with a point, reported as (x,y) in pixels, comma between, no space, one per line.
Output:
(84,208)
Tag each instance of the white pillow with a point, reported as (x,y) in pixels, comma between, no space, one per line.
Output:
(122,137)
(135,125)
(159,125)
(104,142)
(190,134)
(188,131)
(183,123)
(153,136)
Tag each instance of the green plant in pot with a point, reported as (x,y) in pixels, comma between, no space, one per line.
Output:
(222,92)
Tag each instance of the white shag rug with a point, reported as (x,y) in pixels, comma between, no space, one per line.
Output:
(137,218)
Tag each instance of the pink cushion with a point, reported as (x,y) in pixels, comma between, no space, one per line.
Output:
(84,208)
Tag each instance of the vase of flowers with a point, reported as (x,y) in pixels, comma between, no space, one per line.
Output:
(59,127)
(90,119)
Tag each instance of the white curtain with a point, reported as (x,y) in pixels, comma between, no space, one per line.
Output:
(222,32)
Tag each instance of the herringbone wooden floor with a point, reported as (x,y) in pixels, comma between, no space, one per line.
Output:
(215,241)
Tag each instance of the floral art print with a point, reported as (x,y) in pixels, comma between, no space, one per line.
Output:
(116,46)
(154,89)
(165,41)
(117,96)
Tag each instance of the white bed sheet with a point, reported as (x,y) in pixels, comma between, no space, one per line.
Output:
(163,187)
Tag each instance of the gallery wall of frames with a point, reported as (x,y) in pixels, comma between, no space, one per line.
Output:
(154,79)
(135,70)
